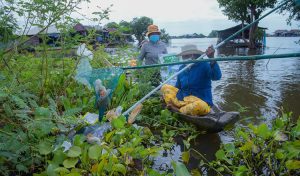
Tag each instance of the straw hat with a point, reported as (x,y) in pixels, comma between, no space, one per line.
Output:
(189,49)
(152,29)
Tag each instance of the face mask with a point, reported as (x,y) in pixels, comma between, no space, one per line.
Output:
(154,38)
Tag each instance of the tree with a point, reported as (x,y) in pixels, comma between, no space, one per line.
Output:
(213,34)
(139,27)
(112,25)
(165,37)
(293,10)
(125,27)
(246,11)
(8,23)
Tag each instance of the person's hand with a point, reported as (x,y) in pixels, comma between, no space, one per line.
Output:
(210,51)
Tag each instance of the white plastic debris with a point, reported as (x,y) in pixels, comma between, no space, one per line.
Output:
(67,145)
(91,118)
(84,68)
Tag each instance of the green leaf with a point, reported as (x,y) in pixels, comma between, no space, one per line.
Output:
(292,164)
(247,146)
(119,168)
(180,169)
(109,135)
(19,102)
(263,131)
(195,172)
(70,162)
(94,152)
(42,112)
(79,140)
(279,154)
(185,156)
(296,130)
(292,149)
(74,151)
(220,154)
(73,174)
(50,170)
(229,147)
(279,123)
(241,171)
(45,147)
(21,168)
(186,144)
(59,157)
(118,122)
(61,170)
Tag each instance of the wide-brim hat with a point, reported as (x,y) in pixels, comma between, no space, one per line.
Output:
(152,29)
(190,49)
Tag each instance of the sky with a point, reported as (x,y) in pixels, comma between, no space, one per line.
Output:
(179,16)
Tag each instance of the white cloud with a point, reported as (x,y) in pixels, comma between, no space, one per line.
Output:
(159,10)
(178,17)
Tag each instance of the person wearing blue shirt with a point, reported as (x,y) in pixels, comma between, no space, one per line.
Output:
(197,79)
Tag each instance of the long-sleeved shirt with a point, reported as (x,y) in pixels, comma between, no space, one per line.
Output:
(151,51)
(196,81)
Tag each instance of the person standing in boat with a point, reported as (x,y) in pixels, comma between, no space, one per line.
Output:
(197,80)
(151,50)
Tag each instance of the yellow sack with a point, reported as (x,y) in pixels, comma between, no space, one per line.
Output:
(169,92)
(190,105)
(169,97)
(191,99)
(196,108)
(168,87)
(178,103)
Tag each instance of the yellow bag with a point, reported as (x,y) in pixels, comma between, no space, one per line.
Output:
(196,108)
(168,98)
(191,105)
(169,92)
(191,99)
(168,87)
(178,103)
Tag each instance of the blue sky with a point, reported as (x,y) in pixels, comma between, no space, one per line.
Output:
(180,17)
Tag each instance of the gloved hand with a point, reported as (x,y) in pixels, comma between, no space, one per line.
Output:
(210,51)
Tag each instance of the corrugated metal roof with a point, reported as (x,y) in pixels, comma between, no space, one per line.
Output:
(50,30)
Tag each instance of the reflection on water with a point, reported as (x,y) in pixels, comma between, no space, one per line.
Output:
(263,86)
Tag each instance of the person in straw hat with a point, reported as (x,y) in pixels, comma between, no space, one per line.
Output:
(196,81)
(151,50)
(192,94)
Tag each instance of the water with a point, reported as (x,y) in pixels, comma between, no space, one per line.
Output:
(263,86)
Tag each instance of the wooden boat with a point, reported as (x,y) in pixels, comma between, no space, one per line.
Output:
(213,122)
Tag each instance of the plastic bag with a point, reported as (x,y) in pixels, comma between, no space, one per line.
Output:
(84,68)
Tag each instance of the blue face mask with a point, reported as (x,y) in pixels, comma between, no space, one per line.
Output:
(154,38)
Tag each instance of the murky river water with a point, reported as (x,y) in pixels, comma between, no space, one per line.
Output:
(263,86)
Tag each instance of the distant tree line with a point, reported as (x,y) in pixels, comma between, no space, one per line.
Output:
(194,35)
(137,27)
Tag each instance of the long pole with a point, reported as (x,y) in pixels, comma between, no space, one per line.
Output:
(201,57)
(230,58)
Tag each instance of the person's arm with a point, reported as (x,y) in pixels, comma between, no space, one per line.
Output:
(142,54)
(215,71)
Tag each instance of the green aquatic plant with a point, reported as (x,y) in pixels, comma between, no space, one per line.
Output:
(262,150)
(124,150)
